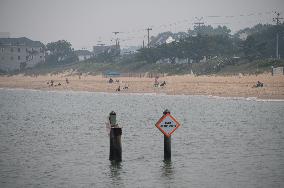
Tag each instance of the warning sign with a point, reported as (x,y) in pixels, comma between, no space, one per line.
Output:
(167,124)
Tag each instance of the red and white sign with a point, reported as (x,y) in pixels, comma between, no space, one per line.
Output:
(167,124)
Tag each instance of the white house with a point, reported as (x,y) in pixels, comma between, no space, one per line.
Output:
(83,54)
(18,53)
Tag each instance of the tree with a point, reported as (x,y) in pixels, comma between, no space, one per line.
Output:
(261,41)
(209,30)
(249,48)
(60,52)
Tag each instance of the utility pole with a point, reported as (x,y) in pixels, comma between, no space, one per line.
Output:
(149,29)
(116,38)
(198,23)
(277,19)
(143,46)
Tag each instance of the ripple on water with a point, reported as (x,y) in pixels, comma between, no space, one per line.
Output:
(59,139)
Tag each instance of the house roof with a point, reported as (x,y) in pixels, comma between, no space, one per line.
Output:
(22,41)
(83,52)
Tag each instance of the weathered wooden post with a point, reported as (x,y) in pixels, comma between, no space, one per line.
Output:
(167,124)
(115,139)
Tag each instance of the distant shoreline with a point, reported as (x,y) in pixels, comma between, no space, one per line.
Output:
(211,86)
(153,94)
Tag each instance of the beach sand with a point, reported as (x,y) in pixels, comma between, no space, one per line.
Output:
(223,86)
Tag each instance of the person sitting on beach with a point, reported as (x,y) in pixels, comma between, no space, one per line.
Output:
(125,86)
(110,80)
(259,84)
(163,84)
(118,89)
(51,82)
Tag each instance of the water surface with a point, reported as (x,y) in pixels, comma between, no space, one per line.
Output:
(59,139)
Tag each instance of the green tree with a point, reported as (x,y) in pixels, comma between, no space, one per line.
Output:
(209,30)
(60,52)
(261,41)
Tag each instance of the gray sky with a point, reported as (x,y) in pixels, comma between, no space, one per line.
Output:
(85,22)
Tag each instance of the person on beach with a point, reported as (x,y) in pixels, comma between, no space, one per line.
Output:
(67,81)
(156,83)
(163,84)
(118,89)
(125,86)
(259,84)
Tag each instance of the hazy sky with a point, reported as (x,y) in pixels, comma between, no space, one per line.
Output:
(84,23)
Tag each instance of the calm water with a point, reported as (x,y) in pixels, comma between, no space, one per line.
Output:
(59,139)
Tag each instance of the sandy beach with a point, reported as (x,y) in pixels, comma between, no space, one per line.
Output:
(224,86)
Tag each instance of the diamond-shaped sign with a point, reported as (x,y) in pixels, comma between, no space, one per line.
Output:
(167,124)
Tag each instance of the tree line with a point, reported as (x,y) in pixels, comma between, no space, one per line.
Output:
(205,41)
(253,43)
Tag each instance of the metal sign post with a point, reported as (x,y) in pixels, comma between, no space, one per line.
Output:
(167,124)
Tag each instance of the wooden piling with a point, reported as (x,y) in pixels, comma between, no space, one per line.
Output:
(115,153)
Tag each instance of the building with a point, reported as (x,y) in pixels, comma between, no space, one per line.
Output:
(166,38)
(19,53)
(102,49)
(83,54)
(277,71)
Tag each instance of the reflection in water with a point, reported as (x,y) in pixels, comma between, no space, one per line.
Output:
(234,143)
(115,173)
(167,170)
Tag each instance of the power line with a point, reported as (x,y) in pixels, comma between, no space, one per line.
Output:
(198,22)
(209,16)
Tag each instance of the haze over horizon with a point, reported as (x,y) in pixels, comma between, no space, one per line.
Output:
(88,22)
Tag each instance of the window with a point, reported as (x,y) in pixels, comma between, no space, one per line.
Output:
(12,49)
(19,49)
(2,49)
(40,57)
(27,58)
(19,57)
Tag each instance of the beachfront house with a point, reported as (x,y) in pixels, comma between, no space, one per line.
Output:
(20,53)
(83,54)
(113,50)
